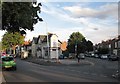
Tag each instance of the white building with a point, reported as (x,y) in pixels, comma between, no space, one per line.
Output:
(34,46)
(40,47)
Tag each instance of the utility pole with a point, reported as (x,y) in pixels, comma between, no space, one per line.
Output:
(75,48)
(47,42)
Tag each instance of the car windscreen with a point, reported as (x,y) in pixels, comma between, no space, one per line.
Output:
(7,59)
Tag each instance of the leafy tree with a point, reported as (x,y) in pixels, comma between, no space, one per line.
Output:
(103,50)
(65,53)
(12,39)
(78,40)
(75,39)
(0,45)
(89,46)
(17,16)
(71,48)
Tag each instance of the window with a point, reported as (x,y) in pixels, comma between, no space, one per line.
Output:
(53,49)
(118,44)
(7,59)
(115,44)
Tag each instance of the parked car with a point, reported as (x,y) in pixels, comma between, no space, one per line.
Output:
(113,58)
(81,56)
(61,56)
(87,55)
(96,56)
(92,55)
(104,56)
(13,55)
(8,62)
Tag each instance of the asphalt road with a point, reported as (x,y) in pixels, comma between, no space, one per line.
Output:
(101,71)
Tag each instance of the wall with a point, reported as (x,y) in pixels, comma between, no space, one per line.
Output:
(54,47)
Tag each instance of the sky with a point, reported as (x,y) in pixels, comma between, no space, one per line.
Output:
(96,21)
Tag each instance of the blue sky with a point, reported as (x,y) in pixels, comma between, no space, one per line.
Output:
(97,21)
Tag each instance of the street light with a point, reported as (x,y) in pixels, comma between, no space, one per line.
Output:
(47,41)
(75,48)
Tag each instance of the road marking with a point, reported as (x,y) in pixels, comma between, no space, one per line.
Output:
(103,75)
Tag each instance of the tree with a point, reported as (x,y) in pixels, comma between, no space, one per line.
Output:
(103,50)
(12,39)
(0,45)
(89,46)
(78,44)
(75,39)
(19,15)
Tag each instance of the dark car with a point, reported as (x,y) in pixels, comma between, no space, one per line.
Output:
(13,55)
(81,56)
(113,58)
(61,56)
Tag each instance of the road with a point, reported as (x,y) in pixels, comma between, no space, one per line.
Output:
(30,72)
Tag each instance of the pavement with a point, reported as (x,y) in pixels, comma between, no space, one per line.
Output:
(2,79)
(60,62)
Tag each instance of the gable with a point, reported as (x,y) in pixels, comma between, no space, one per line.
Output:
(35,40)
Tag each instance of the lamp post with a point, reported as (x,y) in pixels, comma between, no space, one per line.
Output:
(75,48)
(47,41)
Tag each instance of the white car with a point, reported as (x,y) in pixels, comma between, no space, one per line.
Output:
(81,56)
(104,56)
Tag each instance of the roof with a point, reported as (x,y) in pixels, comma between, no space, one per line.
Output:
(110,41)
(35,39)
(44,37)
(63,46)
(27,42)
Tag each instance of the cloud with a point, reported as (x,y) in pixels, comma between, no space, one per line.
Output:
(108,10)
(1,34)
(94,24)
(95,32)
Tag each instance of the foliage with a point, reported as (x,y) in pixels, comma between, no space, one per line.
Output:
(103,50)
(75,37)
(89,46)
(12,39)
(0,45)
(17,16)
(78,44)
(65,53)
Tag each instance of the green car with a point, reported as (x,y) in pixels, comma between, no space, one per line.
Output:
(8,62)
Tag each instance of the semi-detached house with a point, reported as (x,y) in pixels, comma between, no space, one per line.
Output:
(112,44)
(42,49)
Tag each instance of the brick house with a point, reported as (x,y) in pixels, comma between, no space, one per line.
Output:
(112,44)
